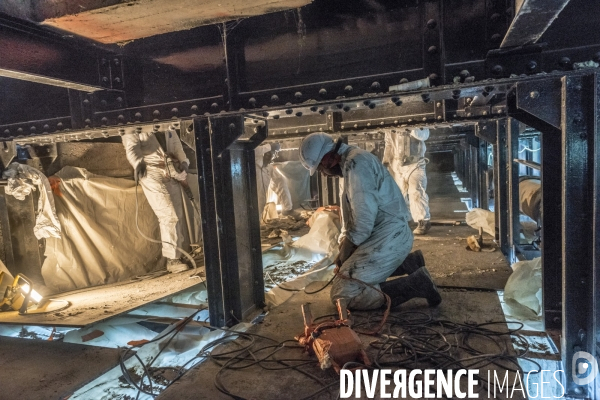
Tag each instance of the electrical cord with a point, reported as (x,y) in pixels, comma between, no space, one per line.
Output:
(147,367)
(67,305)
(408,340)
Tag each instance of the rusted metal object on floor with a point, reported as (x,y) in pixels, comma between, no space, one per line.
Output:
(333,342)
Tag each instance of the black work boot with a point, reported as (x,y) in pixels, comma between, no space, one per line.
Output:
(417,284)
(411,263)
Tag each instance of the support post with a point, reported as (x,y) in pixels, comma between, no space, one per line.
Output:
(579,190)
(230,225)
(512,175)
(551,228)
(501,187)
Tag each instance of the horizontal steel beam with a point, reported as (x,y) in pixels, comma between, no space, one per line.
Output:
(33,55)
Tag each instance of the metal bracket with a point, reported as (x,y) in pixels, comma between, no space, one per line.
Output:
(538,104)
(8,151)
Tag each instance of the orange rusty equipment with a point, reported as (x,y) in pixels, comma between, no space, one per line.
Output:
(334,342)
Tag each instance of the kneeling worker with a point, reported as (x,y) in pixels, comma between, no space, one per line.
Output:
(376,237)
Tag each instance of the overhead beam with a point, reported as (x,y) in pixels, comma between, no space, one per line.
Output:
(29,54)
(531,21)
(130,20)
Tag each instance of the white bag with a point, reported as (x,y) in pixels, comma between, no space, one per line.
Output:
(480,218)
(323,235)
(523,290)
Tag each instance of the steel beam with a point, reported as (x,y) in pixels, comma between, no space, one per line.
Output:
(31,54)
(230,226)
(501,194)
(537,104)
(579,137)
(482,168)
(531,21)
(512,182)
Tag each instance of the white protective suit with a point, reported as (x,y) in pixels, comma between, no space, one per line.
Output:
(269,178)
(370,203)
(161,185)
(404,153)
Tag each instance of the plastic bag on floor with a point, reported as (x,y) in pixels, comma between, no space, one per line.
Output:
(323,235)
(480,218)
(523,289)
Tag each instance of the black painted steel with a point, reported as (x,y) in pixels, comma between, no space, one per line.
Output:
(230,226)
(501,192)
(579,117)
(210,226)
(512,175)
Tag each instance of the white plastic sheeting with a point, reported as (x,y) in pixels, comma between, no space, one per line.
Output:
(298,182)
(323,235)
(181,350)
(22,180)
(480,218)
(523,290)
(100,243)
(318,247)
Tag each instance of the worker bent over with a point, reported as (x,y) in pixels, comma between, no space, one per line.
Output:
(375,240)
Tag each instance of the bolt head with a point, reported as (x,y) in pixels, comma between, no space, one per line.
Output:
(531,65)
(534,94)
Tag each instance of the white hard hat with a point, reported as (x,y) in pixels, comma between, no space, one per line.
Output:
(313,148)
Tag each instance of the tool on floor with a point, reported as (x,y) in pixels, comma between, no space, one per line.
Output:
(475,243)
(333,342)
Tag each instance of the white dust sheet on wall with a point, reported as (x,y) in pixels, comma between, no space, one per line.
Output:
(100,243)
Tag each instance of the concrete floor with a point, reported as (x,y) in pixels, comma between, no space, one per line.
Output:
(44,370)
(454,268)
(283,323)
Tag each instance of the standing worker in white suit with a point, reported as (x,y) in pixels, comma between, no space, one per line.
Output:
(269,177)
(404,156)
(154,157)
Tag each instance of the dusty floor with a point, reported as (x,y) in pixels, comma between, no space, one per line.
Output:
(99,303)
(283,323)
(41,370)
(457,271)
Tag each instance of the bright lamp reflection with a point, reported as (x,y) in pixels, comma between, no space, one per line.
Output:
(35,296)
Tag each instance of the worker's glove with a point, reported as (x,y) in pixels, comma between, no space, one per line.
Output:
(346,250)
(140,171)
(185,167)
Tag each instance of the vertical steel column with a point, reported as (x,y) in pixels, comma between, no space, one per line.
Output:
(595,187)
(578,126)
(247,227)
(501,187)
(230,226)
(328,190)
(210,224)
(474,170)
(551,228)
(512,175)
(482,157)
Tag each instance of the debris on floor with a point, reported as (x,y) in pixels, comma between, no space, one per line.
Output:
(480,218)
